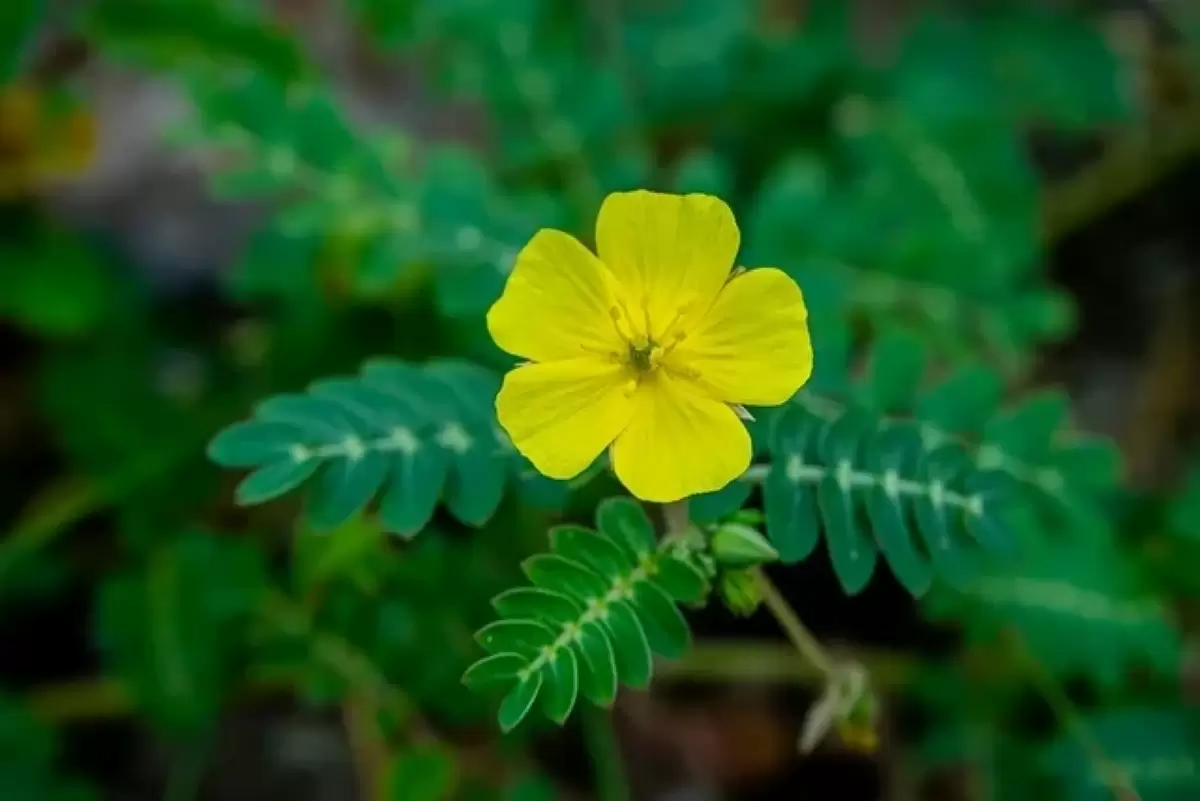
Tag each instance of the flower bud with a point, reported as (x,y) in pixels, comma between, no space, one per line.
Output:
(739,546)
(741,591)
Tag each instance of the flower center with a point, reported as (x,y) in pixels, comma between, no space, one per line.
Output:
(646,350)
(642,359)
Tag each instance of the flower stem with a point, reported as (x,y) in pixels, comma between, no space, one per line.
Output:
(804,640)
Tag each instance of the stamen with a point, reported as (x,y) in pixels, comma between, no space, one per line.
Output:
(646,315)
(671,332)
(630,388)
(677,337)
(632,335)
(611,355)
(615,313)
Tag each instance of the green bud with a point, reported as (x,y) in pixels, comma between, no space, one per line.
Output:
(741,591)
(748,517)
(737,546)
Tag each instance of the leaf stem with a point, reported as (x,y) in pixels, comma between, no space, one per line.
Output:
(804,640)
(1109,772)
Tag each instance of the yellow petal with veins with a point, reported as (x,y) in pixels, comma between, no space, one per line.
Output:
(753,346)
(561,415)
(670,254)
(678,442)
(557,303)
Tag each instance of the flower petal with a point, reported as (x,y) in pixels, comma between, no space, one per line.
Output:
(753,346)
(561,415)
(679,443)
(667,250)
(557,302)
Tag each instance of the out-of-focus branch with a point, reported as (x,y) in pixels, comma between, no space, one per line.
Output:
(1131,163)
(775,663)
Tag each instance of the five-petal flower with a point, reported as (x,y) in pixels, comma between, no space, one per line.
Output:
(647,347)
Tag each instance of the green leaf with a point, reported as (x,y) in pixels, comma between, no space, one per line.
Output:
(31,288)
(893,372)
(594,617)
(536,603)
(561,686)
(598,679)
(682,580)
(345,487)
(852,554)
(713,506)
(519,701)
(274,480)
(18,22)
(665,627)
(1184,512)
(881,486)
(632,651)
(1027,429)
(1081,608)
(738,546)
(252,443)
(626,523)
(410,436)
(28,756)
(891,453)
(792,514)
(514,636)
(174,639)
(193,32)
(494,670)
(589,548)
(963,403)
(559,574)
(421,773)
(1154,748)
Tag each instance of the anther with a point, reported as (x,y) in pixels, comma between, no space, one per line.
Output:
(631,388)
(615,313)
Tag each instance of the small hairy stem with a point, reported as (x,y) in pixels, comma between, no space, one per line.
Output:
(675,516)
(807,644)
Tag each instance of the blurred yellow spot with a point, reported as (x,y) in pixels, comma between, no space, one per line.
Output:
(40,143)
(860,738)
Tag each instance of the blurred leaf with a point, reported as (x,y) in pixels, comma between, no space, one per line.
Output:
(34,279)
(421,773)
(414,436)
(194,33)
(175,628)
(19,20)
(28,753)
(1080,608)
(1155,749)
(1185,509)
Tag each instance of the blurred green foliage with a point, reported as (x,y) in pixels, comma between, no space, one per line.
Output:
(892,180)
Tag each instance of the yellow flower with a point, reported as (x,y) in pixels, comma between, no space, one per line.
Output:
(647,348)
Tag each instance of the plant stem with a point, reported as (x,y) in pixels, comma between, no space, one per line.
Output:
(757,662)
(602,746)
(186,773)
(807,644)
(367,745)
(1113,776)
